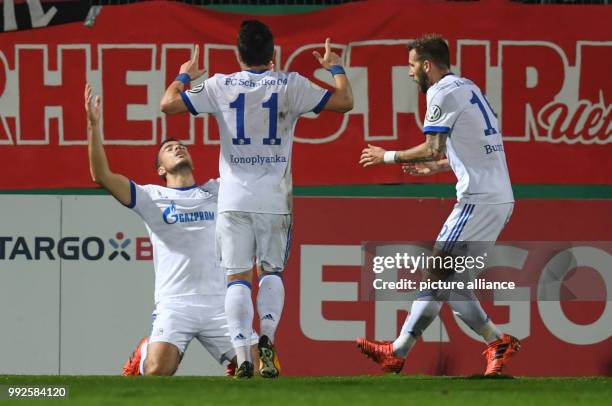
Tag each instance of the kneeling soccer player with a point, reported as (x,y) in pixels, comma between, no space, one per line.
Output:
(189,285)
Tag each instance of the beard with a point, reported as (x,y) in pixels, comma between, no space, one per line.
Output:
(182,166)
(422,81)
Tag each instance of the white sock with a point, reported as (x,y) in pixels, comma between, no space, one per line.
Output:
(403,344)
(490,332)
(472,314)
(143,356)
(422,313)
(270,302)
(239,312)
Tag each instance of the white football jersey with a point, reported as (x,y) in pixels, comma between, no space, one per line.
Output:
(181,226)
(474,146)
(256,113)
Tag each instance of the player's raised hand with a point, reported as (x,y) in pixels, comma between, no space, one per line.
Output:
(372,155)
(92,106)
(330,58)
(191,66)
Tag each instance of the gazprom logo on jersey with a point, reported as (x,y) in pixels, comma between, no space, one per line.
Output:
(171,215)
(91,248)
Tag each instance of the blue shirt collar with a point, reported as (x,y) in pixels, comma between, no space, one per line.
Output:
(185,188)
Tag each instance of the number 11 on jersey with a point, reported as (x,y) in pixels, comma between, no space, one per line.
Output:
(271,104)
(490,130)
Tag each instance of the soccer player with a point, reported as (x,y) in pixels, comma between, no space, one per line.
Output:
(180,220)
(462,135)
(256,109)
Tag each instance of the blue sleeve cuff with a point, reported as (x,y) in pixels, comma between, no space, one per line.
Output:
(322,103)
(187,102)
(436,129)
(132,195)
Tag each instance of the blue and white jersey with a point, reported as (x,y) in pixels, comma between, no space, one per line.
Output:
(256,113)
(474,146)
(181,227)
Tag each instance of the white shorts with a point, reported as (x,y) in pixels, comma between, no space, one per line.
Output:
(243,237)
(480,223)
(179,320)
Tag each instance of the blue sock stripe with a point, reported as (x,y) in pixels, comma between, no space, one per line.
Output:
(239,282)
(452,232)
(465,220)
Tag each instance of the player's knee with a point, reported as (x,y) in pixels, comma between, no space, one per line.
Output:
(240,276)
(157,368)
(266,268)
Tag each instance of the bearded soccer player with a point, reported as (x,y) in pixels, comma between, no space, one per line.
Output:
(462,135)
(180,220)
(256,109)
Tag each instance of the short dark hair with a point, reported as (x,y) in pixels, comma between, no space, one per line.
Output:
(255,43)
(161,145)
(433,48)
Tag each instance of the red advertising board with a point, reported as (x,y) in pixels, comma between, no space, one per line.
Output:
(550,87)
(324,312)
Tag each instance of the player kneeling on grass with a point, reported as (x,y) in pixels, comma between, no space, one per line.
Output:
(462,135)
(189,285)
(256,109)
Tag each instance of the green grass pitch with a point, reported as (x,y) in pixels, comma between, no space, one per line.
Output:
(335,391)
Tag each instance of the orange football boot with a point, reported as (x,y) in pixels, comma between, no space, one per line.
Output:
(499,352)
(132,365)
(381,352)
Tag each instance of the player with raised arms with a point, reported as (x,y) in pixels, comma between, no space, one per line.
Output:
(462,135)
(257,109)
(180,220)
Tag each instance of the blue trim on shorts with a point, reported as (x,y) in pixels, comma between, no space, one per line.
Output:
(288,247)
(465,220)
(452,232)
(239,282)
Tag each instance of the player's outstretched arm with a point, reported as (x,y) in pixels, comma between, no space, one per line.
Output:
(342,98)
(117,185)
(433,149)
(172,102)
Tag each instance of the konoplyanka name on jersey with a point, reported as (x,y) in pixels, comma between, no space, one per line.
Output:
(258,159)
(171,216)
